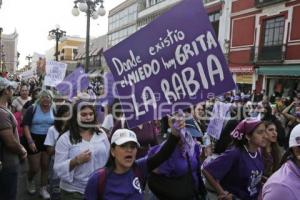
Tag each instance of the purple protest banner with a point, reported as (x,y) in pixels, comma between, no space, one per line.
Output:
(172,63)
(73,83)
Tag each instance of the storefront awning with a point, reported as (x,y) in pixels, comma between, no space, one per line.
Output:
(279,70)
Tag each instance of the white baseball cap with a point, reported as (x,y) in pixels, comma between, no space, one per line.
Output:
(295,137)
(4,83)
(121,136)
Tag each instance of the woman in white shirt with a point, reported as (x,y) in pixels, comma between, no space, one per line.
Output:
(80,151)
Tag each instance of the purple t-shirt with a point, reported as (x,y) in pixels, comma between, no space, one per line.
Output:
(238,173)
(177,164)
(118,186)
(283,184)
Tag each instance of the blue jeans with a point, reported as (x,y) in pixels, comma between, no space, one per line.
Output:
(8,185)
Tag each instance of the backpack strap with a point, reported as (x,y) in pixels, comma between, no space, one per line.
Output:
(101,184)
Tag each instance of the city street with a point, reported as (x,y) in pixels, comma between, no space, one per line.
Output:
(22,192)
(150,99)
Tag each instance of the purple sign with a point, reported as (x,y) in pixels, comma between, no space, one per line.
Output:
(172,63)
(73,83)
(108,86)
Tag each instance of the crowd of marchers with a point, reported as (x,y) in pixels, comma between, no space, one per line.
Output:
(75,154)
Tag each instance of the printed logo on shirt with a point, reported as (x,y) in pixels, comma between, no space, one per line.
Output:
(136,184)
(255,179)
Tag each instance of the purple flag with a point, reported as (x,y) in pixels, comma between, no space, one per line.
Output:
(73,83)
(172,63)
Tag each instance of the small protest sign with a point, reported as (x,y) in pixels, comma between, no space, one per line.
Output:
(55,73)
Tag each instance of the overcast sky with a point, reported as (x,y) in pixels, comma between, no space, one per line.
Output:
(33,19)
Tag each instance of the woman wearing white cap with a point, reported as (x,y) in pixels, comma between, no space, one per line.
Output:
(124,176)
(285,183)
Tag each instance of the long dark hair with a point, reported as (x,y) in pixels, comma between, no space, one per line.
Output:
(59,123)
(75,136)
(111,165)
(275,153)
(288,155)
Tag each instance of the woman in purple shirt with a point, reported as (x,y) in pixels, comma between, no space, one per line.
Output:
(121,177)
(237,173)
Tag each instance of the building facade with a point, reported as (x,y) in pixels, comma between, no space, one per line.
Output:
(265,43)
(68,48)
(9,53)
(97,46)
(147,10)
(122,22)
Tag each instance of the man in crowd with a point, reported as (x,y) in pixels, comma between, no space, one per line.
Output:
(10,148)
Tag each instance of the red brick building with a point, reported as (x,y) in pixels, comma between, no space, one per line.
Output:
(265,44)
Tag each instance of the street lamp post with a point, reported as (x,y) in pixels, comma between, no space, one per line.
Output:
(56,34)
(90,8)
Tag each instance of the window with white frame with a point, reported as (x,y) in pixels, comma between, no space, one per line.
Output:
(274,31)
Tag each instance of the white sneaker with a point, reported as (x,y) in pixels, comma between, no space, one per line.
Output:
(44,193)
(31,186)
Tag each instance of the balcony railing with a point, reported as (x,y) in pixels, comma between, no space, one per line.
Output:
(261,3)
(268,54)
